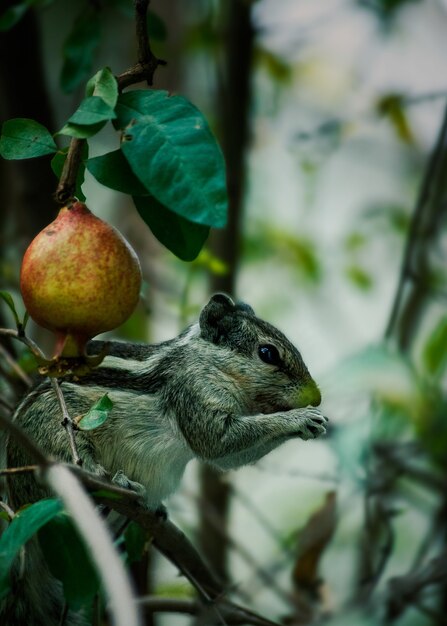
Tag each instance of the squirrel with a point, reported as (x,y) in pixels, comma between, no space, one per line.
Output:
(226,391)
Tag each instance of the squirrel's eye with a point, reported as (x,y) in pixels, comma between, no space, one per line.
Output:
(269,354)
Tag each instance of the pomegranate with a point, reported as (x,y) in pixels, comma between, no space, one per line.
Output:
(79,278)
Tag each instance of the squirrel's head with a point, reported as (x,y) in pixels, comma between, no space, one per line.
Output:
(267,362)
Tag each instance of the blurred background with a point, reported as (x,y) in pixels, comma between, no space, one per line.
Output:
(330,114)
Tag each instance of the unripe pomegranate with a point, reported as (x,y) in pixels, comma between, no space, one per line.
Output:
(79,277)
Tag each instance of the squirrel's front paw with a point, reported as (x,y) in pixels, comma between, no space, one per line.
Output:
(120,479)
(312,424)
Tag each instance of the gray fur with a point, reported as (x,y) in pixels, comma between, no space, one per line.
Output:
(205,394)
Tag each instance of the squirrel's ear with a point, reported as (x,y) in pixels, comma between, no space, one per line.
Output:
(242,306)
(216,309)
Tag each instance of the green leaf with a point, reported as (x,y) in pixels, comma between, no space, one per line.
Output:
(81,131)
(57,164)
(80,47)
(7,298)
(68,560)
(113,171)
(296,251)
(103,84)
(156,28)
(23,138)
(11,16)
(182,237)
(24,525)
(135,539)
(97,415)
(170,148)
(435,350)
(92,110)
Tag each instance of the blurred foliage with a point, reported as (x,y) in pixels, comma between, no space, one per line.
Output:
(392,107)
(386,10)
(299,253)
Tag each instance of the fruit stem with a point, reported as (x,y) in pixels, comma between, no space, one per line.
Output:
(69,346)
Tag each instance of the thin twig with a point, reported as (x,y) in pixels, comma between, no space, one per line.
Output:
(33,347)
(15,367)
(425,196)
(230,612)
(11,471)
(429,479)
(10,513)
(67,183)
(67,422)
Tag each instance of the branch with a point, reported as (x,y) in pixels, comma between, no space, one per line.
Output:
(143,70)
(11,471)
(405,590)
(229,612)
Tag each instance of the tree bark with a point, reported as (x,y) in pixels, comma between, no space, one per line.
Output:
(234,96)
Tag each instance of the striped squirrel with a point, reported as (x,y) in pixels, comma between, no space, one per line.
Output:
(226,391)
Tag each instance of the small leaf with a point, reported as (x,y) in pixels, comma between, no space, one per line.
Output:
(57,164)
(103,84)
(97,415)
(23,138)
(7,298)
(392,106)
(135,538)
(68,560)
(24,525)
(435,350)
(113,171)
(276,67)
(359,277)
(170,148)
(182,237)
(11,16)
(92,110)
(80,47)
(81,131)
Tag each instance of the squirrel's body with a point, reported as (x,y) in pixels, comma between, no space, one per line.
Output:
(226,391)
